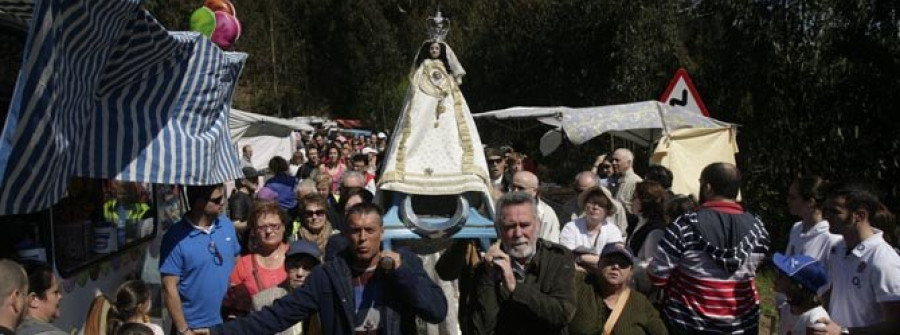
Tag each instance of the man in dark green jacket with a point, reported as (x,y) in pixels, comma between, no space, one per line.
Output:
(525,285)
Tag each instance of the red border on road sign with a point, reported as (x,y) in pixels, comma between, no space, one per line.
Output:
(693,90)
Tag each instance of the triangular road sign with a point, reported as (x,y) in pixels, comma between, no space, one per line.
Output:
(681,92)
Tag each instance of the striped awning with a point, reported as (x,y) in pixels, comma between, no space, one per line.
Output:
(106,92)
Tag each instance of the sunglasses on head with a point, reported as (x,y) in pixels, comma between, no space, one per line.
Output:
(320,212)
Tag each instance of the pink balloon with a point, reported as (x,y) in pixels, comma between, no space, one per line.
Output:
(228,30)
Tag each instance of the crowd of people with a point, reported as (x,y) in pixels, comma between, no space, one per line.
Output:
(301,253)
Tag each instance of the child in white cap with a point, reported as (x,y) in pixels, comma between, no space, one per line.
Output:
(800,278)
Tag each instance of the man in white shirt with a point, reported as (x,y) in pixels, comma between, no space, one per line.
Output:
(626,179)
(864,269)
(527,182)
(246,158)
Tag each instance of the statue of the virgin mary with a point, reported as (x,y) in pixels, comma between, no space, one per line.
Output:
(435,149)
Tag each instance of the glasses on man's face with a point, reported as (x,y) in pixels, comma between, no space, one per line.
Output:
(217,257)
(270,228)
(320,212)
(494,160)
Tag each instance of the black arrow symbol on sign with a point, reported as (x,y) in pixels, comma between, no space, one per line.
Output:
(682,102)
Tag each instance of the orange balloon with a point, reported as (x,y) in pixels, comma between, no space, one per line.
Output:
(220,6)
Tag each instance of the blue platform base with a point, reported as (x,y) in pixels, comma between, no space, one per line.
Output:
(476,227)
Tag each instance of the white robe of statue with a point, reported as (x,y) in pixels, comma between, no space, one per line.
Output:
(435,148)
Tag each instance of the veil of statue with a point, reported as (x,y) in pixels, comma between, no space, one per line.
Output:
(435,151)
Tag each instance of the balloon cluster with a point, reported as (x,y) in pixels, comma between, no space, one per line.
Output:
(217,21)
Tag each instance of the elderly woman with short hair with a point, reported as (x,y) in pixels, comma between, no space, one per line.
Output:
(587,235)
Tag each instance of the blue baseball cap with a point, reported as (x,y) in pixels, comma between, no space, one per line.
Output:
(303,247)
(802,269)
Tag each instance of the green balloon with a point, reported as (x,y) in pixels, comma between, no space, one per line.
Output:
(203,20)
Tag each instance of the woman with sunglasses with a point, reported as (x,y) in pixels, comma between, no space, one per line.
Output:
(263,266)
(605,304)
(314,224)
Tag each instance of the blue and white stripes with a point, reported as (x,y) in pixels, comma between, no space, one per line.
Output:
(106,92)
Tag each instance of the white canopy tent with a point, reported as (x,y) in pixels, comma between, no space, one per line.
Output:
(268,136)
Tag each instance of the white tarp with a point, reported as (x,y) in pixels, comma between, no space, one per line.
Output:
(266,147)
(641,122)
(245,124)
(268,136)
(548,115)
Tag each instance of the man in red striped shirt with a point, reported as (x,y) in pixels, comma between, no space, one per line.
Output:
(707,261)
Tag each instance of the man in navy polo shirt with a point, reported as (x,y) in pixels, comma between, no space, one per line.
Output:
(197,256)
(362,289)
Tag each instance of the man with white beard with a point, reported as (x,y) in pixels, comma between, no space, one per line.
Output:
(525,284)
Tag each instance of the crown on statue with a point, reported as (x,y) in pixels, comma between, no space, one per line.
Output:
(438,26)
